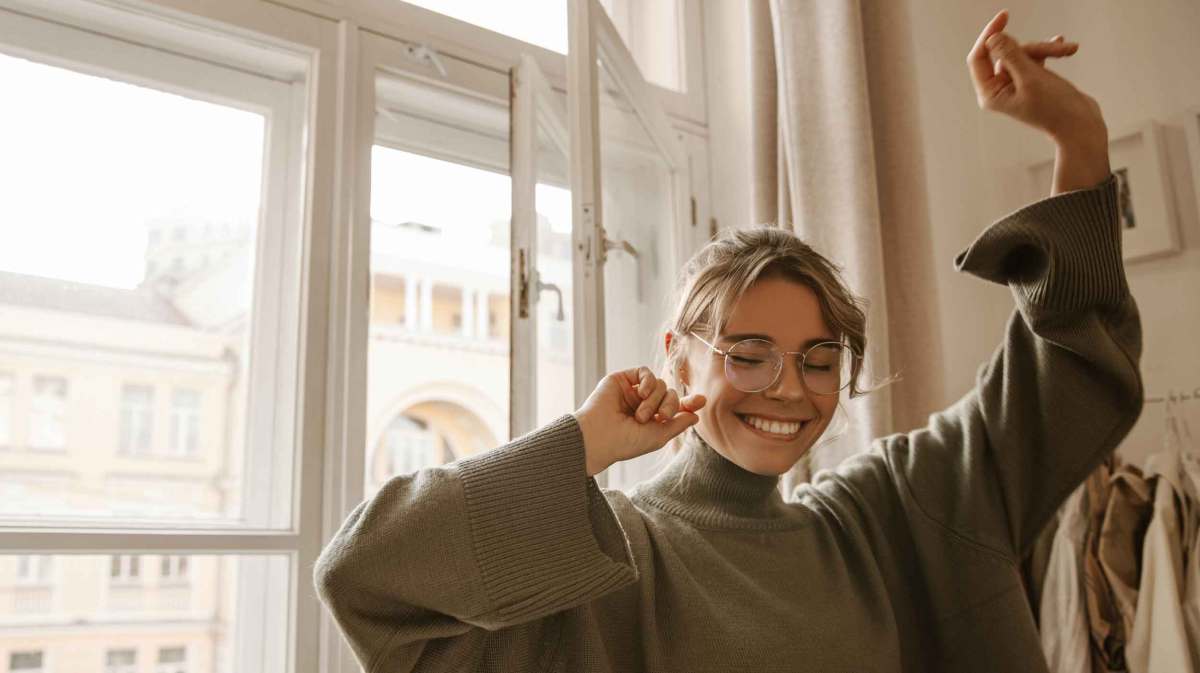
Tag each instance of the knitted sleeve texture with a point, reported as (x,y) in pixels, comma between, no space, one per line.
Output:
(426,572)
(1061,390)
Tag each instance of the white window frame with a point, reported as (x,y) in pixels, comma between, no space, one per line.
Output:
(445,34)
(534,105)
(239,37)
(593,36)
(328,368)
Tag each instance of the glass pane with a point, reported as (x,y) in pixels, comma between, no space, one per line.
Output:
(555,318)
(650,28)
(438,350)
(637,208)
(126,280)
(220,615)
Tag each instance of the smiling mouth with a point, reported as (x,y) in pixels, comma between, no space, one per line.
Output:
(777,436)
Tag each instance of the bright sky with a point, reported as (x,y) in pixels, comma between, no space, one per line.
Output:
(88,161)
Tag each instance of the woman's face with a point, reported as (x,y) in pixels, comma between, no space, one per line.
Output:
(788,314)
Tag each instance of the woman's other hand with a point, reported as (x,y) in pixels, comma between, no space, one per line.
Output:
(1012,78)
(630,413)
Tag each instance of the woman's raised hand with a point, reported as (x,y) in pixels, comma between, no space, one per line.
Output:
(1012,78)
(630,413)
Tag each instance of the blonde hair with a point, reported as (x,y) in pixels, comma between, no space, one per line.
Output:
(717,276)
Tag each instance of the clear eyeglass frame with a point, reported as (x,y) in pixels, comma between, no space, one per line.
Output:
(781,354)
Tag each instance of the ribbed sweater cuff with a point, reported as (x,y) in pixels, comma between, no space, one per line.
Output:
(1060,254)
(528,505)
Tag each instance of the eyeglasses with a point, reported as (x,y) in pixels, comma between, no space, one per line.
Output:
(753,365)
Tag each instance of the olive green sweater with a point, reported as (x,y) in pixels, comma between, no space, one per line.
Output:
(903,558)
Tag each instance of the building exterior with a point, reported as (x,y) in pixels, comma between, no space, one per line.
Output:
(124,405)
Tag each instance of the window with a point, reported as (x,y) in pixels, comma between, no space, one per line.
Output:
(47,425)
(138,165)
(137,419)
(26,661)
(185,422)
(34,569)
(120,661)
(124,568)
(7,400)
(198,114)
(173,568)
(171,660)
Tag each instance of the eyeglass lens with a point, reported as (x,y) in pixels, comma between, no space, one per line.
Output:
(755,364)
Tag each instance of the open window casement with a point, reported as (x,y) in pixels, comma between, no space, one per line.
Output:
(543,275)
(629,182)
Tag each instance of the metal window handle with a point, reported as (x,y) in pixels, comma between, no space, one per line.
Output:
(541,285)
(621,245)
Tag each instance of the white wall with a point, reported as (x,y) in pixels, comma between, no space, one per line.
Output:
(1139,62)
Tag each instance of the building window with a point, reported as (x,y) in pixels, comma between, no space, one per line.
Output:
(34,569)
(171,660)
(174,568)
(26,662)
(6,409)
(120,661)
(47,427)
(185,422)
(137,419)
(124,568)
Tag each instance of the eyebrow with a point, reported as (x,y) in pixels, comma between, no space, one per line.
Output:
(738,337)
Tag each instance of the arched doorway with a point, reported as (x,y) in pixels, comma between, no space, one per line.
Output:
(426,434)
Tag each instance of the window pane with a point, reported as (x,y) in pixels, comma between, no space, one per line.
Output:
(127,305)
(25,661)
(137,418)
(185,422)
(6,409)
(225,619)
(47,421)
(650,28)
(637,208)
(438,355)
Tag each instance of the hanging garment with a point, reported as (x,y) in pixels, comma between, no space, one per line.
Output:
(1130,507)
(1104,615)
(1160,594)
(1190,485)
(1035,565)
(1063,621)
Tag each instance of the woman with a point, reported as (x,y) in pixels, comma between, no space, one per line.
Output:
(904,558)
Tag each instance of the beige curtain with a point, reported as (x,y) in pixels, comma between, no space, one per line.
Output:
(837,157)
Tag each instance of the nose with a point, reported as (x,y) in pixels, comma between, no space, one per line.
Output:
(789,386)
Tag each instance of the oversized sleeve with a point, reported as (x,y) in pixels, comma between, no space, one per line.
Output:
(1061,390)
(451,564)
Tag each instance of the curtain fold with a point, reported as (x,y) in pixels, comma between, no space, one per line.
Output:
(836,157)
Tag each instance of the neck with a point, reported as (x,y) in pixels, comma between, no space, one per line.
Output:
(702,485)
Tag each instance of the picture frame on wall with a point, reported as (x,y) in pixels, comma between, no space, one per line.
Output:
(1148,223)
(1191,128)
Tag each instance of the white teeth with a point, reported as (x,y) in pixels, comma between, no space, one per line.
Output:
(773,427)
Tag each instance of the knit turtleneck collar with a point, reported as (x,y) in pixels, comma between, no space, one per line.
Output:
(708,489)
